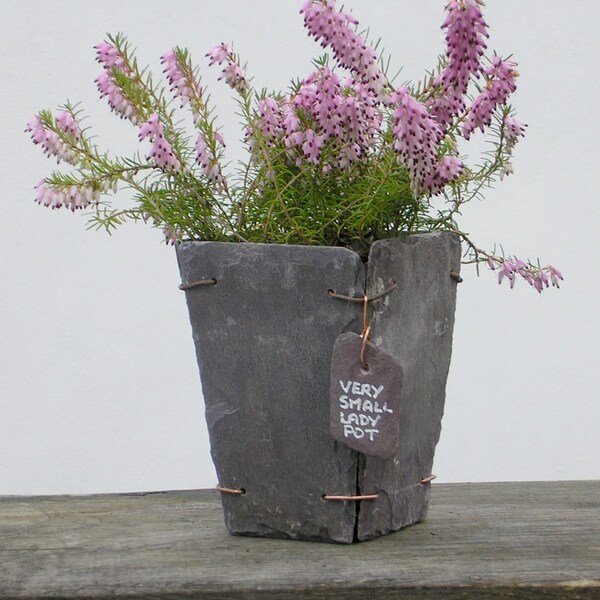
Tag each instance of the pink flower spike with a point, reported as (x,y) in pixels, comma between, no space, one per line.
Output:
(68,124)
(219,138)
(172,234)
(466,31)
(235,77)
(500,84)
(180,85)
(50,142)
(109,56)
(521,265)
(218,54)
(417,138)
(312,146)
(72,197)
(168,57)
(555,276)
(117,101)
(161,152)
(151,128)
(513,129)
(336,30)
(208,162)
(37,130)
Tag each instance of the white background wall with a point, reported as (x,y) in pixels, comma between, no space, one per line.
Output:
(99,389)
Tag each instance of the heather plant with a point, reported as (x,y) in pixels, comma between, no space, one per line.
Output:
(343,157)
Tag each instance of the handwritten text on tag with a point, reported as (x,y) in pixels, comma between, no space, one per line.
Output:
(365,403)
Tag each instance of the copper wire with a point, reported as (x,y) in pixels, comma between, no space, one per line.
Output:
(226,490)
(365,339)
(428,479)
(187,286)
(350,498)
(361,299)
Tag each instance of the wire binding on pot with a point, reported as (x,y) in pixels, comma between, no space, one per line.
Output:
(188,286)
(364,300)
(428,479)
(350,498)
(364,297)
(226,490)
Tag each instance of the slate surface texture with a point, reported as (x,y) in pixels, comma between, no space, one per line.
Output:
(264,334)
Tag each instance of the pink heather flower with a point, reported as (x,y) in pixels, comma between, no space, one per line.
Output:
(219,54)
(68,124)
(219,138)
(323,111)
(539,278)
(180,85)
(172,234)
(508,269)
(500,84)
(555,276)
(513,129)
(329,103)
(49,140)
(291,122)
(507,169)
(117,101)
(335,29)
(234,75)
(311,146)
(359,121)
(417,138)
(208,162)
(73,197)
(161,152)
(447,169)
(270,122)
(110,57)
(466,31)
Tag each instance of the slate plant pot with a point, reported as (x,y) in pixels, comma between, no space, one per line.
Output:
(264,333)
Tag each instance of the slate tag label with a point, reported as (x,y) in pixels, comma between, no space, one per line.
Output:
(365,403)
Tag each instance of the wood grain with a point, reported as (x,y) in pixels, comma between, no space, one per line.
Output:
(483,541)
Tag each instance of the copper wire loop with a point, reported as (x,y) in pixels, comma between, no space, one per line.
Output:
(343,498)
(226,490)
(365,312)
(364,300)
(188,286)
(428,479)
(365,339)
(456,277)
(361,299)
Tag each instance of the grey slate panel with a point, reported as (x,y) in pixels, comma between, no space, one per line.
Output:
(414,323)
(264,336)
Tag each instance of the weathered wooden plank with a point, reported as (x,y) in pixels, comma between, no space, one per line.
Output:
(484,541)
